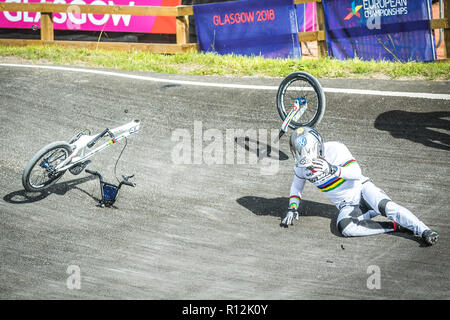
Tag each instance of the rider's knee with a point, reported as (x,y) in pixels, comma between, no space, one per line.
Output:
(393,210)
(346,233)
(345,227)
(382,206)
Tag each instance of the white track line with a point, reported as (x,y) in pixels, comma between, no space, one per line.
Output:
(421,95)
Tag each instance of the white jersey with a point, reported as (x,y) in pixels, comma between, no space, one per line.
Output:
(344,185)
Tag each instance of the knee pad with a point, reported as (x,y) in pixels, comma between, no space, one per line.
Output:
(382,206)
(349,216)
(344,226)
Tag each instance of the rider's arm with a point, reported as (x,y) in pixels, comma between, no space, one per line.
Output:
(346,166)
(350,170)
(296,192)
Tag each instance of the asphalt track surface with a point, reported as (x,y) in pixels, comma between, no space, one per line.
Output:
(211,231)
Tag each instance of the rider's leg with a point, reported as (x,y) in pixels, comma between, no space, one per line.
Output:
(352,223)
(369,215)
(382,204)
(368,212)
(404,217)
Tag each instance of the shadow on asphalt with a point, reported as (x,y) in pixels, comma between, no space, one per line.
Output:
(23,196)
(277,207)
(261,149)
(417,127)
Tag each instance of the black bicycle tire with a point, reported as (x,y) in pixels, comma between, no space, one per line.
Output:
(321,105)
(27,171)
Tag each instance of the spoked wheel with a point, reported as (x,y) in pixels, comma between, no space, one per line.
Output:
(301,87)
(40,173)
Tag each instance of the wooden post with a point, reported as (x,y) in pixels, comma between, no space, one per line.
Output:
(447,30)
(182,30)
(321,43)
(47,26)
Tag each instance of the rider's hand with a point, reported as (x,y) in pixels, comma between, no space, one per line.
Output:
(289,216)
(322,165)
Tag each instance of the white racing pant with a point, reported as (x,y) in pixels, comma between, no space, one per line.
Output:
(355,220)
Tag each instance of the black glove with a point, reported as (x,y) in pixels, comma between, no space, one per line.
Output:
(289,217)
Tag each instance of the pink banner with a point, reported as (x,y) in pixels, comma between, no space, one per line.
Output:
(309,13)
(73,20)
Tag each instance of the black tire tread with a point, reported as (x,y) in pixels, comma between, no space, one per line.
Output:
(26,172)
(301,75)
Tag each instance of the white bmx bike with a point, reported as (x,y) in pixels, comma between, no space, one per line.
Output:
(50,163)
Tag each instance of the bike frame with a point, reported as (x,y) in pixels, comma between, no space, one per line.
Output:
(297,111)
(79,147)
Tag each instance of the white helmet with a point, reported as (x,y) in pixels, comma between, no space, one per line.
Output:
(306,144)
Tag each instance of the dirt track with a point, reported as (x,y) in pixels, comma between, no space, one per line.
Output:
(199,231)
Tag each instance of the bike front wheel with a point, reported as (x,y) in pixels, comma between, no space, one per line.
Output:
(298,85)
(40,173)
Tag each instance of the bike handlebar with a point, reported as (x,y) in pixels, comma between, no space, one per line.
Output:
(131,184)
(124,181)
(128,183)
(95,173)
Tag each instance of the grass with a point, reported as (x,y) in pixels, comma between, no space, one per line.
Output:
(229,65)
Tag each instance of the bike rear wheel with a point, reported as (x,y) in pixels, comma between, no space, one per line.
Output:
(39,174)
(301,85)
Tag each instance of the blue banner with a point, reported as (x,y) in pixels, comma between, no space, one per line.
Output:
(248,27)
(394,30)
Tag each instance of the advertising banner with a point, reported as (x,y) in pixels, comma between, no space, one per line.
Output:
(395,30)
(73,20)
(307,17)
(248,27)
